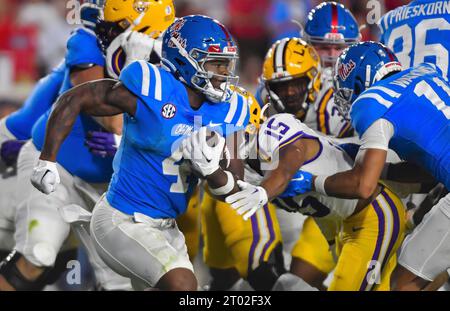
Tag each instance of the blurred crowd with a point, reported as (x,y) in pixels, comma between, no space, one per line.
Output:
(33,33)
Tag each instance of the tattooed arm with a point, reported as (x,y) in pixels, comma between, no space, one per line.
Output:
(97,98)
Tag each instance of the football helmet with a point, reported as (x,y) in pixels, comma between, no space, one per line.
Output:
(331,24)
(358,68)
(149,17)
(193,41)
(291,63)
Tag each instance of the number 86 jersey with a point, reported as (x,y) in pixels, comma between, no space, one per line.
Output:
(284,129)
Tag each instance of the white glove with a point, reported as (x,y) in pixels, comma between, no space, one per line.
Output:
(45,176)
(248,200)
(137,46)
(204,158)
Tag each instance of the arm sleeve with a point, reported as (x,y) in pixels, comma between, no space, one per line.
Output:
(378,135)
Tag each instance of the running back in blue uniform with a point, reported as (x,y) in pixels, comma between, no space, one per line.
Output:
(74,156)
(416,102)
(147,177)
(419,32)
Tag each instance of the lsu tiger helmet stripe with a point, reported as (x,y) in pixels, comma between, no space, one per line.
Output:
(292,59)
(158,15)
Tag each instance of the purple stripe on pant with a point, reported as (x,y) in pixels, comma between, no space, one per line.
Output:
(380,237)
(272,232)
(395,230)
(256,237)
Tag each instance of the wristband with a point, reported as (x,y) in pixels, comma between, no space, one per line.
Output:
(319,184)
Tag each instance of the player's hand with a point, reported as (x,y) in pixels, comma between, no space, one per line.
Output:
(247,201)
(137,46)
(204,158)
(45,176)
(102,144)
(10,151)
(300,183)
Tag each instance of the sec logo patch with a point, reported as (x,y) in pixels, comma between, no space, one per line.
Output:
(168,111)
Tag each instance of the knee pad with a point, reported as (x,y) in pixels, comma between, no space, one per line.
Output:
(267,273)
(43,255)
(11,273)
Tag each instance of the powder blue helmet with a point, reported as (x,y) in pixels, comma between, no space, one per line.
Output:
(331,23)
(189,43)
(358,68)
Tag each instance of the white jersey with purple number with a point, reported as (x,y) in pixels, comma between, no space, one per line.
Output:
(283,129)
(323,115)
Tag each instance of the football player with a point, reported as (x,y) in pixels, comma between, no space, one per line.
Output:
(285,141)
(134,229)
(36,244)
(399,109)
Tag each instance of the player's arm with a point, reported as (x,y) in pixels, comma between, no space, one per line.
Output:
(291,158)
(98,98)
(83,74)
(358,183)
(222,183)
(362,180)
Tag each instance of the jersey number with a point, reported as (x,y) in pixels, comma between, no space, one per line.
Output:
(421,48)
(424,89)
(171,168)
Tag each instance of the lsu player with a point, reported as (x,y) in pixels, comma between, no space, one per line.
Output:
(330,28)
(399,109)
(281,136)
(36,245)
(134,228)
(284,79)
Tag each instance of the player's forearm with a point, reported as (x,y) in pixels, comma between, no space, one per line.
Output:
(60,124)
(222,184)
(275,183)
(346,185)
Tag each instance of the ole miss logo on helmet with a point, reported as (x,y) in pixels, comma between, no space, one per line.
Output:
(344,70)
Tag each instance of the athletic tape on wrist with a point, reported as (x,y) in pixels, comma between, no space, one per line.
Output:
(226,188)
(319,184)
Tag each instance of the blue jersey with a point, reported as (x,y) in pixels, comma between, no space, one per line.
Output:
(149,174)
(74,156)
(419,32)
(416,102)
(40,100)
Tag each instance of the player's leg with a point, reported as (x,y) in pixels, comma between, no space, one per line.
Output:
(151,252)
(370,240)
(40,232)
(426,251)
(255,244)
(312,259)
(189,224)
(78,215)
(216,254)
